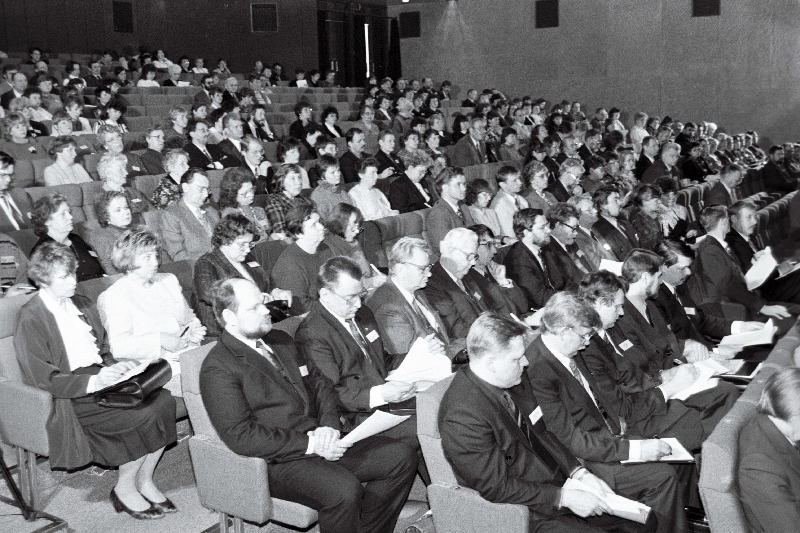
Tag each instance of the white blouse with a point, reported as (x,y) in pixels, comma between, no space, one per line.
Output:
(79,341)
(371,202)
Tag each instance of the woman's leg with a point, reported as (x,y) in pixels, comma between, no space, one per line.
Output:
(144,478)
(126,485)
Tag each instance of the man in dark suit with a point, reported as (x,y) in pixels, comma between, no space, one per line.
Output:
(567,182)
(529,262)
(665,165)
(19,82)
(743,224)
(470,149)
(389,164)
(411,191)
(153,157)
(201,154)
(187,226)
(471,100)
(202,97)
(774,174)
(448,212)
(15,206)
(230,100)
(569,259)
(685,137)
(265,401)
(590,146)
(351,159)
(726,191)
(456,298)
(253,152)
(494,437)
(649,153)
(401,308)
(231,145)
(615,235)
(601,434)
(721,275)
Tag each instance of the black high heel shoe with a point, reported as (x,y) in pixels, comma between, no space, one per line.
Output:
(166,506)
(148,514)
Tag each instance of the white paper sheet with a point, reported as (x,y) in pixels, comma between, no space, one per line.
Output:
(615,267)
(377,422)
(760,271)
(420,365)
(752,338)
(704,381)
(679,453)
(787,267)
(620,506)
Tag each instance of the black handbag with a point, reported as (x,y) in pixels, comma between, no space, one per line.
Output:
(135,390)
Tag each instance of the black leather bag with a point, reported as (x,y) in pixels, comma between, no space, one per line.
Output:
(135,390)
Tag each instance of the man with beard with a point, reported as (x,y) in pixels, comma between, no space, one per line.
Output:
(264,403)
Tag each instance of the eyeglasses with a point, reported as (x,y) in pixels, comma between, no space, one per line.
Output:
(585,337)
(488,244)
(353,298)
(244,245)
(426,269)
(572,228)
(470,257)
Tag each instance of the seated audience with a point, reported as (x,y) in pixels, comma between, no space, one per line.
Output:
(153,156)
(768,474)
(411,142)
(650,148)
(297,267)
(350,160)
(62,348)
(615,234)
(665,165)
(168,190)
(114,217)
(343,229)
(587,243)
(110,140)
(113,173)
(202,154)
(187,225)
(568,182)
(144,312)
(18,143)
(113,117)
(593,430)
(372,203)
(52,221)
(231,145)
(230,258)
(15,205)
(401,121)
(410,191)
(328,118)
(236,195)
(22,107)
(478,197)
(303,110)
(567,255)
(148,76)
(507,201)
(535,177)
(330,474)
(449,211)
(646,218)
(726,191)
(774,174)
(480,418)
(674,217)
(471,149)
(288,185)
(329,191)
(175,135)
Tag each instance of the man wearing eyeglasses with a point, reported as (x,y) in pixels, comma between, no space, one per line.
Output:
(341,338)
(457,299)
(599,432)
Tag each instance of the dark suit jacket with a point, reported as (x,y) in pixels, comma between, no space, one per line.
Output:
(490,453)
(324,342)
(200,160)
(400,326)
(23,203)
(584,152)
(566,265)
(257,412)
(202,98)
(212,267)
(523,268)
(656,346)
(569,411)
(741,248)
(655,171)
(405,197)
(389,161)
(769,477)
(718,195)
(229,100)
(686,320)
(618,243)
(458,309)
(642,164)
(348,164)
(441,219)
(465,154)
(183,235)
(722,277)
(776,179)
(153,162)
(558,190)
(235,157)
(500,299)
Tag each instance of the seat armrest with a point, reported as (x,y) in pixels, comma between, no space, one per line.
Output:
(230,483)
(461,510)
(25,411)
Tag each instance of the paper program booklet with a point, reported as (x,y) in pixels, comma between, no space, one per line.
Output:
(620,506)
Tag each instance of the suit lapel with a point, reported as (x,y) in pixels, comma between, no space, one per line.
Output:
(348,339)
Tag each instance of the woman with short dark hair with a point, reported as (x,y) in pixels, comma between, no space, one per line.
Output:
(64,169)
(645,219)
(342,238)
(236,195)
(289,184)
(62,349)
(328,118)
(114,216)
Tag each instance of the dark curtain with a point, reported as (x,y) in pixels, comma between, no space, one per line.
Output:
(358,61)
(394,68)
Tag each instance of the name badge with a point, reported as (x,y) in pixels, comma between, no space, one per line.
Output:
(691,311)
(579,253)
(476,295)
(303,371)
(135,168)
(92,253)
(535,415)
(136,200)
(253,264)
(372,335)
(607,247)
(84,147)
(32,150)
(625,345)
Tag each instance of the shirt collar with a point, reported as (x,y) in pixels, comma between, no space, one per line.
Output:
(54,307)
(563,359)
(409,296)
(339,319)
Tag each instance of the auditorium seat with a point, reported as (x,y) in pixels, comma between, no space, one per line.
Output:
(72,193)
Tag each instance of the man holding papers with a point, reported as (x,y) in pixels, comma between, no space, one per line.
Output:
(747,252)
(264,402)
(341,339)
(599,433)
(494,436)
(721,275)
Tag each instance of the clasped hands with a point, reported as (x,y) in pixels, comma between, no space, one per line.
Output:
(328,444)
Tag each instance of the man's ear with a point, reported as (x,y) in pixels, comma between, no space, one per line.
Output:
(229,317)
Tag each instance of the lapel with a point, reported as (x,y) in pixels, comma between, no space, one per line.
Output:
(535,262)
(348,339)
(420,295)
(191,220)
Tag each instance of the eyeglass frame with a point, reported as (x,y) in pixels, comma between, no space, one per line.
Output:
(427,269)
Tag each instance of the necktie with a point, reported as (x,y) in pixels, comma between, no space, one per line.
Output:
(204,221)
(459,213)
(431,327)
(360,340)
(16,217)
(518,202)
(538,447)
(540,259)
(573,367)
(269,355)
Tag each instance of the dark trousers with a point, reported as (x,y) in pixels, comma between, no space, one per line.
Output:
(334,490)
(569,523)
(680,421)
(406,432)
(654,484)
(713,404)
